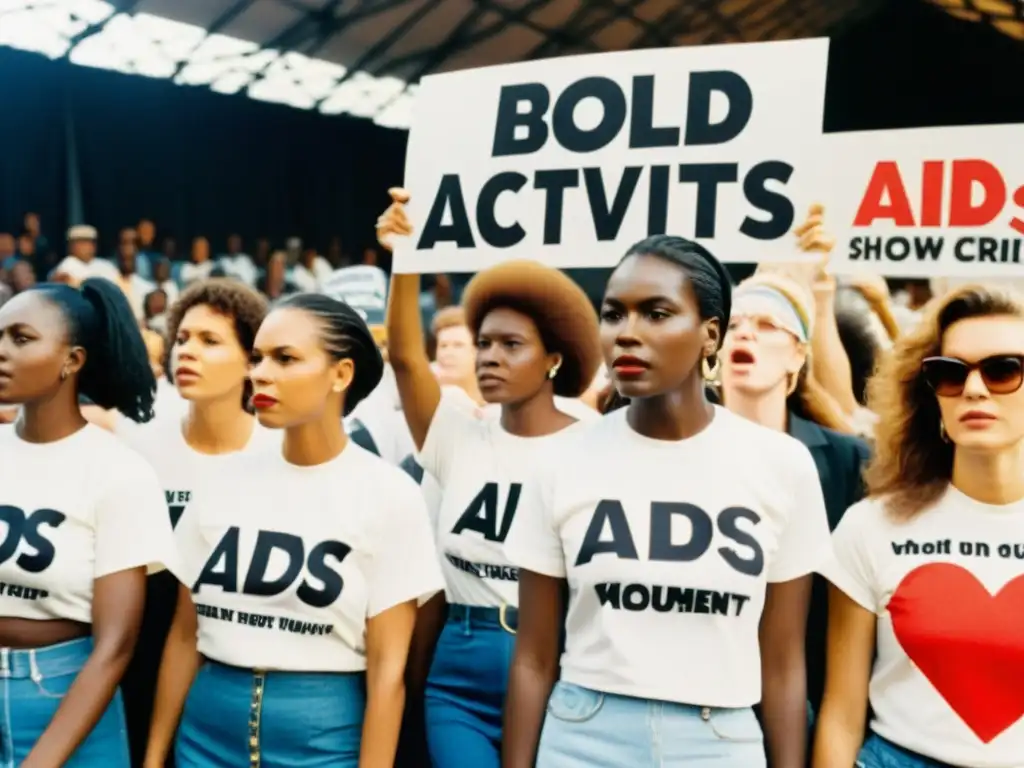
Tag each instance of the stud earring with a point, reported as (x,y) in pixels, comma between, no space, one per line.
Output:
(64,374)
(338,387)
(942,432)
(553,371)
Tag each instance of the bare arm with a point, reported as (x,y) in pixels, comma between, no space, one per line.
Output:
(417,386)
(534,667)
(388,636)
(851,651)
(429,623)
(118,600)
(784,672)
(178,667)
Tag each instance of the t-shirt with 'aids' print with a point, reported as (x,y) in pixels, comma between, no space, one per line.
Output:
(482,472)
(286,563)
(73,511)
(947,587)
(668,548)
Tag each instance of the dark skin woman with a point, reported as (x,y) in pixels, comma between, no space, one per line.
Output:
(652,311)
(536,337)
(46,362)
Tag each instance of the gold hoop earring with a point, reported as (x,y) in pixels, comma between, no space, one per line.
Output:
(709,371)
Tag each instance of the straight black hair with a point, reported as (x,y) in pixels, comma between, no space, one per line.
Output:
(117,373)
(344,335)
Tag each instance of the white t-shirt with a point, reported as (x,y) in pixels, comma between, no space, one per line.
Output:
(481,470)
(287,563)
(182,469)
(70,512)
(79,270)
(668,547)
(948,590)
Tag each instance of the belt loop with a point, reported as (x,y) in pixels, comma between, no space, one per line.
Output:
(467,619)
(5,666)
(33,667)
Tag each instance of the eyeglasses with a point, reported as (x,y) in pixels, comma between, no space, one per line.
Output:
(947,376)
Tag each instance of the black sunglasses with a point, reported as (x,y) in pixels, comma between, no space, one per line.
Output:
(947,376)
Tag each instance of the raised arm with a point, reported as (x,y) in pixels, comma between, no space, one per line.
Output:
(418,388)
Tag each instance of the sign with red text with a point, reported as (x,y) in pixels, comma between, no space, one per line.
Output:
(570,161)
(930,202)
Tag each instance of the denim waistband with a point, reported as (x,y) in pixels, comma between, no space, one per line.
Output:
(49,661)
(506,617)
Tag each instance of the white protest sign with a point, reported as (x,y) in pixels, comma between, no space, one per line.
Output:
(570,161)
(929,202)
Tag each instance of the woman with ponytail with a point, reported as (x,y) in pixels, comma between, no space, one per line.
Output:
(84,519)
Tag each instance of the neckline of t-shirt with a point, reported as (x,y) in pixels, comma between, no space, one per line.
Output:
(699,440)
(179,430)
(28,445)
(960,500)
(494,425)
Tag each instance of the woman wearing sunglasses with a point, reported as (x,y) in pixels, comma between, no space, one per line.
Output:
(926,618)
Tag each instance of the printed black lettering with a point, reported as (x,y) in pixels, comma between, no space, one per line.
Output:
(554,184)
(776,204)
(669,599)
(449,196)
(657,196)
(482,513)
(216,575)
(491,232)
(702,529)
(176,511)
(707,177)
(613,115)
(727,524)
(642,132)
(256,582)
(608,217)
(621,543)
(510,117)
(333,583)
(26,527)
(661,546)
(699,128)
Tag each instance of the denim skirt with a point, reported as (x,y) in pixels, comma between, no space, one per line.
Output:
(245,718)
(33,684)
(882,753)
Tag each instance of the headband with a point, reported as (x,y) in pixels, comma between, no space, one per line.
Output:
(785,310)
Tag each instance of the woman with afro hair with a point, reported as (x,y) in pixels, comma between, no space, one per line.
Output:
(536,337)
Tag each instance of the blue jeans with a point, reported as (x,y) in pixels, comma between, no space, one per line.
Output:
(466,692)
(32,685)
(881,753)
(243,717)
(590,729)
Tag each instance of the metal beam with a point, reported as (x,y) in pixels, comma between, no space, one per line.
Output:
(120,6)
(218,24)
(588,31)
(338,22)
(519,16)
(452,44)
(381,47)
(307,25)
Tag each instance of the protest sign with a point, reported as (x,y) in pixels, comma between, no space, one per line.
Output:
(569,161)
(929,202)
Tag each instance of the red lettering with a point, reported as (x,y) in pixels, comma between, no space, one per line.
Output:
(962,210)
(885,182)
(1017,222)
(931,193)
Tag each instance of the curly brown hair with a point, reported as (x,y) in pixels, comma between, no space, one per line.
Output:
(912,465)
(226,296)
(563,314)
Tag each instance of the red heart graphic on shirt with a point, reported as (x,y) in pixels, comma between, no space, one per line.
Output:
(966,641)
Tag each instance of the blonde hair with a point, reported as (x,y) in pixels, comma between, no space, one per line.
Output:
(805,395)
(912,465)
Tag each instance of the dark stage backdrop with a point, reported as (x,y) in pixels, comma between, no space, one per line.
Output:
(203,163)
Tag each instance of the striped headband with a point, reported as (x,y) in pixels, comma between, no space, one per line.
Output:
(785,310)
